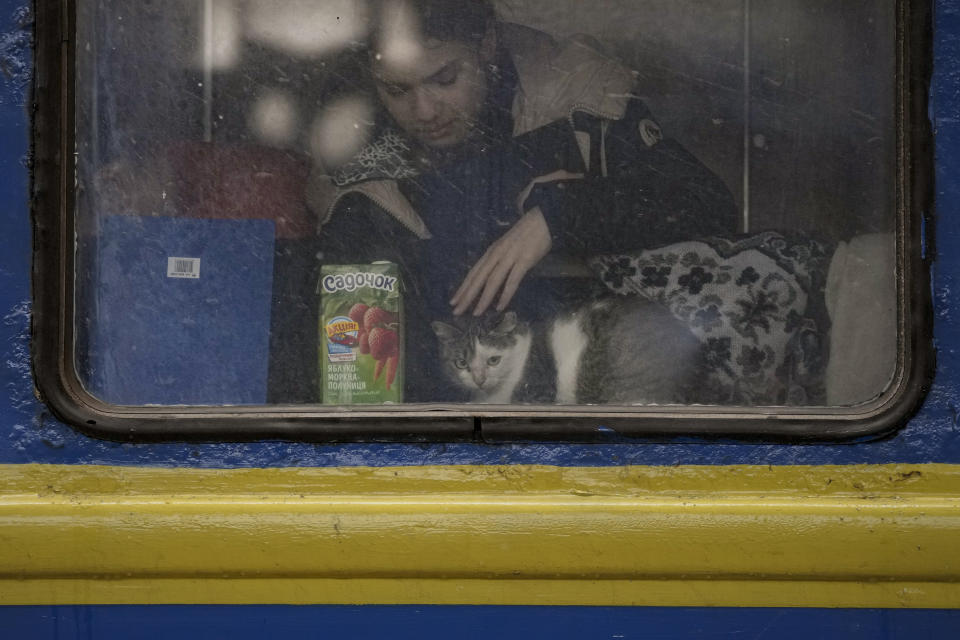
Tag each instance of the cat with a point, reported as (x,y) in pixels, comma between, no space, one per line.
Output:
(621,351)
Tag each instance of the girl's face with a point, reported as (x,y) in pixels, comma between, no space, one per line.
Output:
(433,90)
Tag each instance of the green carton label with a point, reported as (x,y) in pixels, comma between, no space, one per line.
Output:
(361,334)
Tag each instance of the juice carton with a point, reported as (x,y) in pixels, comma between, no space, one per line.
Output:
(361,336)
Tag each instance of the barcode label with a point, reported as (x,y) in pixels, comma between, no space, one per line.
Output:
(183,267)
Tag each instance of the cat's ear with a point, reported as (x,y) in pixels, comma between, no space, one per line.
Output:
(507,324)
(445,332)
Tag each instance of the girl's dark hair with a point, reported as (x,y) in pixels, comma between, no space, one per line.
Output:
(464,21)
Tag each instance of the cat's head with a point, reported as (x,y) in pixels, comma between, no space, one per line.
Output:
(482,354)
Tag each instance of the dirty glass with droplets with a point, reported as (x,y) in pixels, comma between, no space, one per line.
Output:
(622,203)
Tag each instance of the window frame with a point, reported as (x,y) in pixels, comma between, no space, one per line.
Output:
(54,331)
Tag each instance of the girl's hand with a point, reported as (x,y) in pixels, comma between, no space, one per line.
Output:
(509,259)
(504,265)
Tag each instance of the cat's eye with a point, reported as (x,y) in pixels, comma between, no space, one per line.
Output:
(494,360)
(460,363)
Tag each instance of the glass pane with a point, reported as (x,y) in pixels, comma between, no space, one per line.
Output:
(821,143)
(623,202)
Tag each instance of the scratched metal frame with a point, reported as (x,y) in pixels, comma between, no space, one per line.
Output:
(843,152)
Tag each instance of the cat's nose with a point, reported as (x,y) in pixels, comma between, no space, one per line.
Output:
(479,378)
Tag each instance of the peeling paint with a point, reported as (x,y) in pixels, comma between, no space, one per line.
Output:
(15,67)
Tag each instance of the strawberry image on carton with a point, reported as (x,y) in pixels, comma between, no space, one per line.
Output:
(361,340)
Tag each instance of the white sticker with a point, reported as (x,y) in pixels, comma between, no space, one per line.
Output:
(183,267)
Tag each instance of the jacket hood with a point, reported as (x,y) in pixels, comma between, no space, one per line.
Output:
(558,78)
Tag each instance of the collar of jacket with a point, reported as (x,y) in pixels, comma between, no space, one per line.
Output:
(556,79)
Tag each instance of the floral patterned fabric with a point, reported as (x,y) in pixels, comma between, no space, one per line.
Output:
(756,303)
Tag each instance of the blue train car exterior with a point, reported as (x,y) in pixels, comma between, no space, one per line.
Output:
(672,539)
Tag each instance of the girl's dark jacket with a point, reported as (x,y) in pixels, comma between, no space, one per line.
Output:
(570,107)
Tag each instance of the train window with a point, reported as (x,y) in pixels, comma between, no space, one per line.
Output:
(529,219)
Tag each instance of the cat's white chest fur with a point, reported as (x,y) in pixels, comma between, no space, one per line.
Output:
(568,341)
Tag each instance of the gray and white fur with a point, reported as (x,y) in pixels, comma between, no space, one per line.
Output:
(621,351)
